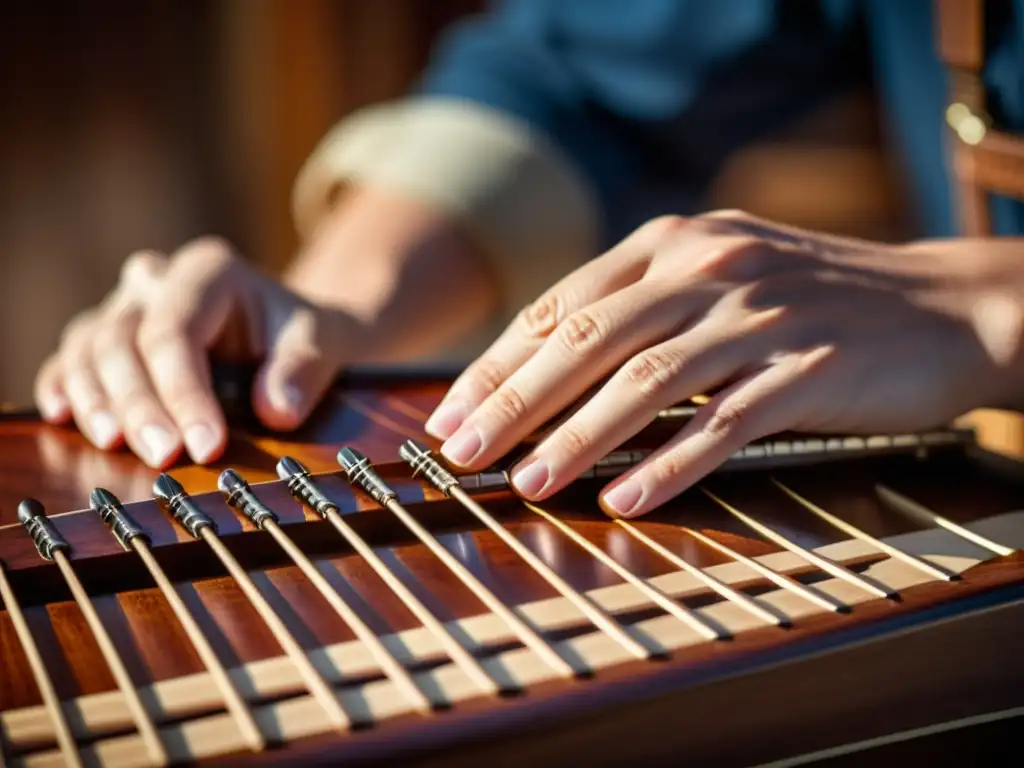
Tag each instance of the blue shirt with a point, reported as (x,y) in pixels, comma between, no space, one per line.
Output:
(647,97)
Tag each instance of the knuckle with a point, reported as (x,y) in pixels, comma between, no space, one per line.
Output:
(108,337)
(666,468)
(155,332)
(653,371)
(205,255)
(744,258)
(181,401)
(78,326)
(580,332)
(731,417)
(508,404)
(49,372)
(542,316)
(140,264)
(208,246)
(485,377)
(728,215)
(663,226)
(574,440)
(137,406)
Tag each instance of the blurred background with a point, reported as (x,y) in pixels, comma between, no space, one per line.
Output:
(131,125)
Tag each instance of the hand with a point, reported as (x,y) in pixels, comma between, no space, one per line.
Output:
(135,369)
(792,330)
(373,284)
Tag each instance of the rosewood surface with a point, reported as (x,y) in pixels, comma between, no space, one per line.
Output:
(57,466)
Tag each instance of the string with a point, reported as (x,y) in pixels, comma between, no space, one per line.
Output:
(911,508)
(143,722)
(54,708)
(656,596)
(851,530)
(810,594)
(392,668)
(588,607)
(723,589)
(314,680)
(465,660)
(830,567)
(233,700)
(528,636)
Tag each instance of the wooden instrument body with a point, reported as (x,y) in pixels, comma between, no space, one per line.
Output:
(944,650)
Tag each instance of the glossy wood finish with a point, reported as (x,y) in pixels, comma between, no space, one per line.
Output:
(59,468)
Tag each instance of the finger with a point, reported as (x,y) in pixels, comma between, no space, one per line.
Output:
(90,407)
(198,294)
(148,430)
(50,397)
(308,348)
(588,345)
(623,265)
(785,235)
(731,260)
(764,403)
(141,275)
(698,361)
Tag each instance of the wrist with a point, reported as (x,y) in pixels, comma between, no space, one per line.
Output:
(402,269)
(999,324)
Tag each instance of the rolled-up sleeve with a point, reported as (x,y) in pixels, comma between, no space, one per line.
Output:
(550,128)
(529,213)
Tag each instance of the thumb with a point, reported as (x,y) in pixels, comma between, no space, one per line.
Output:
(305,351)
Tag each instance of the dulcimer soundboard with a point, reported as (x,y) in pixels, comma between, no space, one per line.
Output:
(339,595)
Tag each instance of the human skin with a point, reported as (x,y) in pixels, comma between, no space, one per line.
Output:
(374,283)
(791,330)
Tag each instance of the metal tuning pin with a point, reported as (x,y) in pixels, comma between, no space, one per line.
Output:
(300,485)
(240,496)
(173,498)
(53,546)
(170,495)
(393,668)
(44,533)
(360,472)
(421,460)
(419,457)
(121,524)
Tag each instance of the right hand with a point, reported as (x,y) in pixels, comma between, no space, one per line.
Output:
(135,369)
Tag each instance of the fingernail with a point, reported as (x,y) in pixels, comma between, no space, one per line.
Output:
(287,398)
(201,442)
(623,498)
(463,447)
(448,417)
(53,407)
(103,429)
(531,479)
(159,443)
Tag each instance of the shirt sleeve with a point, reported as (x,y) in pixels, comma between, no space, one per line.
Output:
(551,128)
(528,212)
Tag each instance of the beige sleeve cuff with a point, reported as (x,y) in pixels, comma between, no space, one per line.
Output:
(528,211)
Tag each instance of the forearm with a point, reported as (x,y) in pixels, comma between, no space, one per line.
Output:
(401,268)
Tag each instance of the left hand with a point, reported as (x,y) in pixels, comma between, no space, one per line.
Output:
(795,330)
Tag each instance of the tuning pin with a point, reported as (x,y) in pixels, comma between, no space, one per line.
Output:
(240,496)
(44,533)
(360,472)
(170,494)
(300,485)
(419,457)
(121,524)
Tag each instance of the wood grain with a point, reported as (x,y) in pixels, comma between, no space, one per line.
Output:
(58,467)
